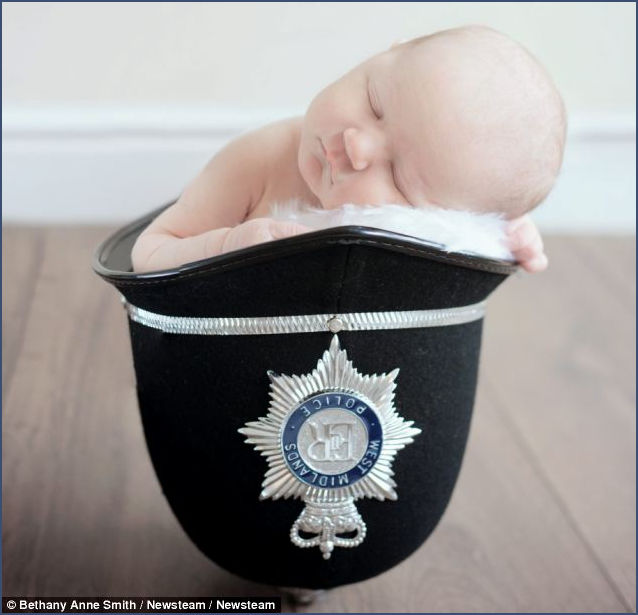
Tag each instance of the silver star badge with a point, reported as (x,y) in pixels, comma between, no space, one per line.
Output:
(330,438)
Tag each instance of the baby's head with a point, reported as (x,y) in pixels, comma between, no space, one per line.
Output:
(462,119)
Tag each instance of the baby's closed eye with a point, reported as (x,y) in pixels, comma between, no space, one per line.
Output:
(372,102)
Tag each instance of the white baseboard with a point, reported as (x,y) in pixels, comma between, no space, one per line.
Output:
(97,165)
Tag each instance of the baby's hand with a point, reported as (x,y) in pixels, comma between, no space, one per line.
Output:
(259,230)
(525,242)
(157,249)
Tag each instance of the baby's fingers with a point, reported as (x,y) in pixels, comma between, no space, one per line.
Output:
(534,265)
(280,230)
(526,244)
(522,232)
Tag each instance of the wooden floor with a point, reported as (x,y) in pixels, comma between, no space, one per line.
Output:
(543,517)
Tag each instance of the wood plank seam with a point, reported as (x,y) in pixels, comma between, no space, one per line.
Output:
(526,449)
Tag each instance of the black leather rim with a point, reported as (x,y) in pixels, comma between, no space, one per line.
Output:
(345,235)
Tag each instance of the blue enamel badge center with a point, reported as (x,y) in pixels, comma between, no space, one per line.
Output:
(332,440)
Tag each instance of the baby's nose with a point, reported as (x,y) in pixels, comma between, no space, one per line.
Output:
(336,154)
(352,150)
(361,148)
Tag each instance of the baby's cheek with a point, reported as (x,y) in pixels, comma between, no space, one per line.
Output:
(311,171)
(373,189)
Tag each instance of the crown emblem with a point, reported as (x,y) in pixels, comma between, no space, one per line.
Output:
(330,438)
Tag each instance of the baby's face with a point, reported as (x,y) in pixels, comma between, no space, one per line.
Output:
(388,132)
(354,147)
(438,124)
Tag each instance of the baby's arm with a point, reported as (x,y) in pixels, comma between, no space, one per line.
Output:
(207,218)
(526,244)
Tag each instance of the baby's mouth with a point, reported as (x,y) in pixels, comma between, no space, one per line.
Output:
(327,163)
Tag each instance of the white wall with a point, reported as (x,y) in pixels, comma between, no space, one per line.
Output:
(274,54)
(109,108)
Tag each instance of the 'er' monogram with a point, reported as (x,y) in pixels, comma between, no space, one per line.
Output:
(332,441)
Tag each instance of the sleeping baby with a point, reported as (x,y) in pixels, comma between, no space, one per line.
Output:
(463,119)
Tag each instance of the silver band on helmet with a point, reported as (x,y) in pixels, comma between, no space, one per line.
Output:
(313,323)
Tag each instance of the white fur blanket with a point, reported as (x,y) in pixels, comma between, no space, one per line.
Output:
(446,229)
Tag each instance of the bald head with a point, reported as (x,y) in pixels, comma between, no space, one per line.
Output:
(490,121)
